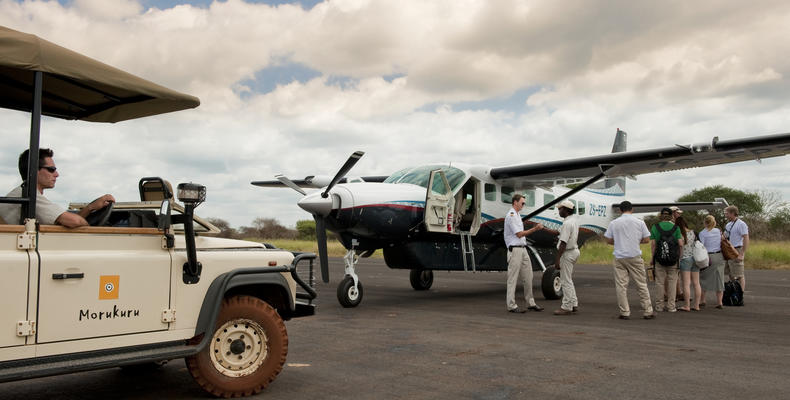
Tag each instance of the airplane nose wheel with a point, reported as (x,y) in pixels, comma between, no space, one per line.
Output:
(347,294)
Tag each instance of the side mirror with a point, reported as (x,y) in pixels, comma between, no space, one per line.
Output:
(164,215)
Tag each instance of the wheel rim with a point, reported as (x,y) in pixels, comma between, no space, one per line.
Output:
(239,347)
(353,293)
(557,284)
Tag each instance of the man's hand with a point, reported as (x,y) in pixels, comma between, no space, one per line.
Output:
(101,202)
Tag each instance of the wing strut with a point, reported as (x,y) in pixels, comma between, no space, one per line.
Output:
(569,194)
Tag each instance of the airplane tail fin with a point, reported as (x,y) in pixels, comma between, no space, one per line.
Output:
(614,186)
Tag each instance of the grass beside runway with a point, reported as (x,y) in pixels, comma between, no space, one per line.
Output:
(760,254)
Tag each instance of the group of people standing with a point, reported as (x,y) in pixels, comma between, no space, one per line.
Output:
(672,247)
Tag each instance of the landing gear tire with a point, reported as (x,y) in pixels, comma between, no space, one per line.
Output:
(550,283)
(247,349)
(347,295)
(421,279)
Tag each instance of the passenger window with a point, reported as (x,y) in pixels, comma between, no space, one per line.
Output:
(580,206)
(507,194)
(490,192)
(547,198)
(529,197)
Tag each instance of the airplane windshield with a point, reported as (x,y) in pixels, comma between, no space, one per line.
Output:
(420,175)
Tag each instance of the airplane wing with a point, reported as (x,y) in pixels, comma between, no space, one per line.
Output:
(316,182)
(634,163)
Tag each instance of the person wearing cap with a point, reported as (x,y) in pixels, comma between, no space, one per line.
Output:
(737,232)
(567,255)
(626,233)
(677,212)
(666,275)
(518,262)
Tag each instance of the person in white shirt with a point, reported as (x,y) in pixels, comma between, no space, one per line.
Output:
(626,233)
(48,213)
(737,232)
(567,255)
(518,262)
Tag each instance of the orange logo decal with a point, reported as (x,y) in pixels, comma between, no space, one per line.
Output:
(108,287)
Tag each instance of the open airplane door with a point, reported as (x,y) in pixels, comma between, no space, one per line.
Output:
(439,203)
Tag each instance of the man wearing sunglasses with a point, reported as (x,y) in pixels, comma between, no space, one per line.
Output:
(518,262)
(47,212)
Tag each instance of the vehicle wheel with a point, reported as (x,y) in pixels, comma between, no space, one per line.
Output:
(246,352)
(421,279)
(550,283)
(347,295)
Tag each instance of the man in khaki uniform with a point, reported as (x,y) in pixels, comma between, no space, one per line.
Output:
(567,255)
(626,233)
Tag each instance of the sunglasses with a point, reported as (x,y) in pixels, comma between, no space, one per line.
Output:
(50,169)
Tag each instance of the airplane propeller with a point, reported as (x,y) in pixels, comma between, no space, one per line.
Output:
(320,226)
(343,171)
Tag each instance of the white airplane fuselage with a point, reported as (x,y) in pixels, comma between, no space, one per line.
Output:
(392,216)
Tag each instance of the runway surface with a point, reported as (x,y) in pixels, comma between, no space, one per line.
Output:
(456,341)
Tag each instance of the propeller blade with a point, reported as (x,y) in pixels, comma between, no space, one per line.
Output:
(290,184)
(343,171)
(320,236)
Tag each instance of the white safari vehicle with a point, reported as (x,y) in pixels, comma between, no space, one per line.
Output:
(143,284)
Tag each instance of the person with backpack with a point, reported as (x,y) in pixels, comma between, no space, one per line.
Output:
(712,277)
(666,243)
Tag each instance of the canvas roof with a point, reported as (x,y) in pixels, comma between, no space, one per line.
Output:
(76,86)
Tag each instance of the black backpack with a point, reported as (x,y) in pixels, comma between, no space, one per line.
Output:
(733,294)
(667,249)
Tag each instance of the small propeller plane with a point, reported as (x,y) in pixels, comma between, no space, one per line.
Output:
(450,216)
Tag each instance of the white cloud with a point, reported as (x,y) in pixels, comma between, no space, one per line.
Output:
(671,72)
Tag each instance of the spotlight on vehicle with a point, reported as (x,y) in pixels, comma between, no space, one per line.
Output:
(191,193)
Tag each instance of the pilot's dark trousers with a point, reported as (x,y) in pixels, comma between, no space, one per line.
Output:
(518,264)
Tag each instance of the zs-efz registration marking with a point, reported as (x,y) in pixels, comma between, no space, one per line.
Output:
(597,210)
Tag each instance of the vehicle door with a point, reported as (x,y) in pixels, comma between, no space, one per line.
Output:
(439,203)
(15,270)
(101,281)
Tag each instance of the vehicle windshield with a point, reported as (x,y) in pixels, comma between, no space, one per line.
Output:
(420,175)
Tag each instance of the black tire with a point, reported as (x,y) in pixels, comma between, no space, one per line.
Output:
(247,349)
(550,284)
(346,294)
(421,279)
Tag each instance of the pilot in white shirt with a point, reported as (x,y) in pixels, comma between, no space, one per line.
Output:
(518,262)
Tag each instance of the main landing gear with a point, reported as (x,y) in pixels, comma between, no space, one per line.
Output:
(349,291)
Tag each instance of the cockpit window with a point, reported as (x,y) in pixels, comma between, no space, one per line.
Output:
(420,175)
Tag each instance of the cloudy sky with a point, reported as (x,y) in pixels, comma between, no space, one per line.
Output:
(295,87)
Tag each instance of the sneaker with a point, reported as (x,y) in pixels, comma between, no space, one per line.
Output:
(650,316)
(624,317)
(673,310)
(535,308)
(517,310)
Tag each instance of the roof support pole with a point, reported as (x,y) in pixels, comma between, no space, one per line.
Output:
(30,188)
(565,196)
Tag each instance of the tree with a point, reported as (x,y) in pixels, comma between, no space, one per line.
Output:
(749,204)
(226,231)
(305,229)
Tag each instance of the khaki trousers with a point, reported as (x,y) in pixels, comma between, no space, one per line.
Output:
(633,268)
(519,264)
(567,262)
(668,275)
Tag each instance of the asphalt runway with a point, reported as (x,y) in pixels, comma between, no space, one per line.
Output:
(456,341)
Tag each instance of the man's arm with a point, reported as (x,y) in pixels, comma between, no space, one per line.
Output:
(652,251)
(530,231)
(71,220)
(559,254)
(96,205)
(743,247)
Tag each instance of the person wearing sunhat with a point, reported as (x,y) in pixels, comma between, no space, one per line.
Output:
(677,212)
(567,255)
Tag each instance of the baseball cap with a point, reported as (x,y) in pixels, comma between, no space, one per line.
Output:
(676,208)
(567,204)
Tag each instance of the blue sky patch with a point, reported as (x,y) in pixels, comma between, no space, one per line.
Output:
(267,79)
(515,103)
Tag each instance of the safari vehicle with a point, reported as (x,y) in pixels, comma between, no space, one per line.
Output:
(143,283)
